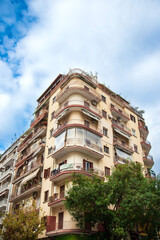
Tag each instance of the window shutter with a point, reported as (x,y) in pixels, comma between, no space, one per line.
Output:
(91,165)
(45,173)
(84,161)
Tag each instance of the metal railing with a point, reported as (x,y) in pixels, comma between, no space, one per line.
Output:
(119,159)
(80,103)
(7,185)
(77,167)
(77,86)
(4,174)
(80,122)
(113,107)
(123,127)
(123,145)
(79,71)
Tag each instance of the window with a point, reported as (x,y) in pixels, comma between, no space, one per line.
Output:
(46,173)
(104,114)
(106,149)
(135,148)
(52,115)
(86,104)
(46,196)
(62,163)
(50,150)
(86,88)
(53,100)
(132,118)
(51,132)
(133,132)
(107,171)
(86,123)
(103,98)
(87,165)
(105,132)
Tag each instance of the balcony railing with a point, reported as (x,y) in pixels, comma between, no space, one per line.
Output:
(121,126)
(6,186)
(85,74)
(4,174)
(79,87)
(78,123)
(77,103)
(148,160)
(3,203)
(120,160)
(122,145)
(39,118)
(119,112)
(76,167)
(24,142)
(65,225)
(143,127)
(27,169)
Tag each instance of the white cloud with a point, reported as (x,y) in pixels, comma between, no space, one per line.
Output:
(108,37)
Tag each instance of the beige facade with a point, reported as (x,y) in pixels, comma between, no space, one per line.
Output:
(79,126)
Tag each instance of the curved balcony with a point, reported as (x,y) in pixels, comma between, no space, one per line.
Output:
(39,118)
(123,146)
(78,105)
(81,145)
(121,129)
(78,88)
(146,145)
(148,160)
(56,200)
(67,170)
(77,123)
(143,129)
(118,113)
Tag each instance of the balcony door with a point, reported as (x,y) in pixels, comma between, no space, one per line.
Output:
(60,220)
(62,189)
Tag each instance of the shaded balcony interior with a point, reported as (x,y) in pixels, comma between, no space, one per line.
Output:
(148,160)
(28,185)
(78,139)
(65,170)
(119,113)
(143,129)
(40,115)
(121,128)
(32,150)
(77,103)
(28,166)
(146,146)
(78,119)
(76,86)
(122,144)
(58,196)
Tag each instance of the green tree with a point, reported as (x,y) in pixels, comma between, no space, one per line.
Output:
(22,224)
(122,203)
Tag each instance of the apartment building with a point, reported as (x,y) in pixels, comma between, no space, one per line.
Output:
(7,162)
(79,126)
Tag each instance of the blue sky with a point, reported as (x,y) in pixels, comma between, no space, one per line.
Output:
(40,39)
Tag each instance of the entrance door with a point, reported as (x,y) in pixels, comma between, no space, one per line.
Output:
(60,220)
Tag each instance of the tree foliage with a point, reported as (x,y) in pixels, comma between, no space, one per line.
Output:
(22,224)
(126,203)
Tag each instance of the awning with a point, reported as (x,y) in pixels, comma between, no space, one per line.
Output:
(62,114)
(30,176)
(122,133)
(123,154)
(92,115)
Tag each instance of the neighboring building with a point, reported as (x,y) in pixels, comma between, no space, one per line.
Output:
(79,126)
(7,162)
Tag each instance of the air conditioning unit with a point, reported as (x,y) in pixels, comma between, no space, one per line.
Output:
(94,103)
(110,116)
